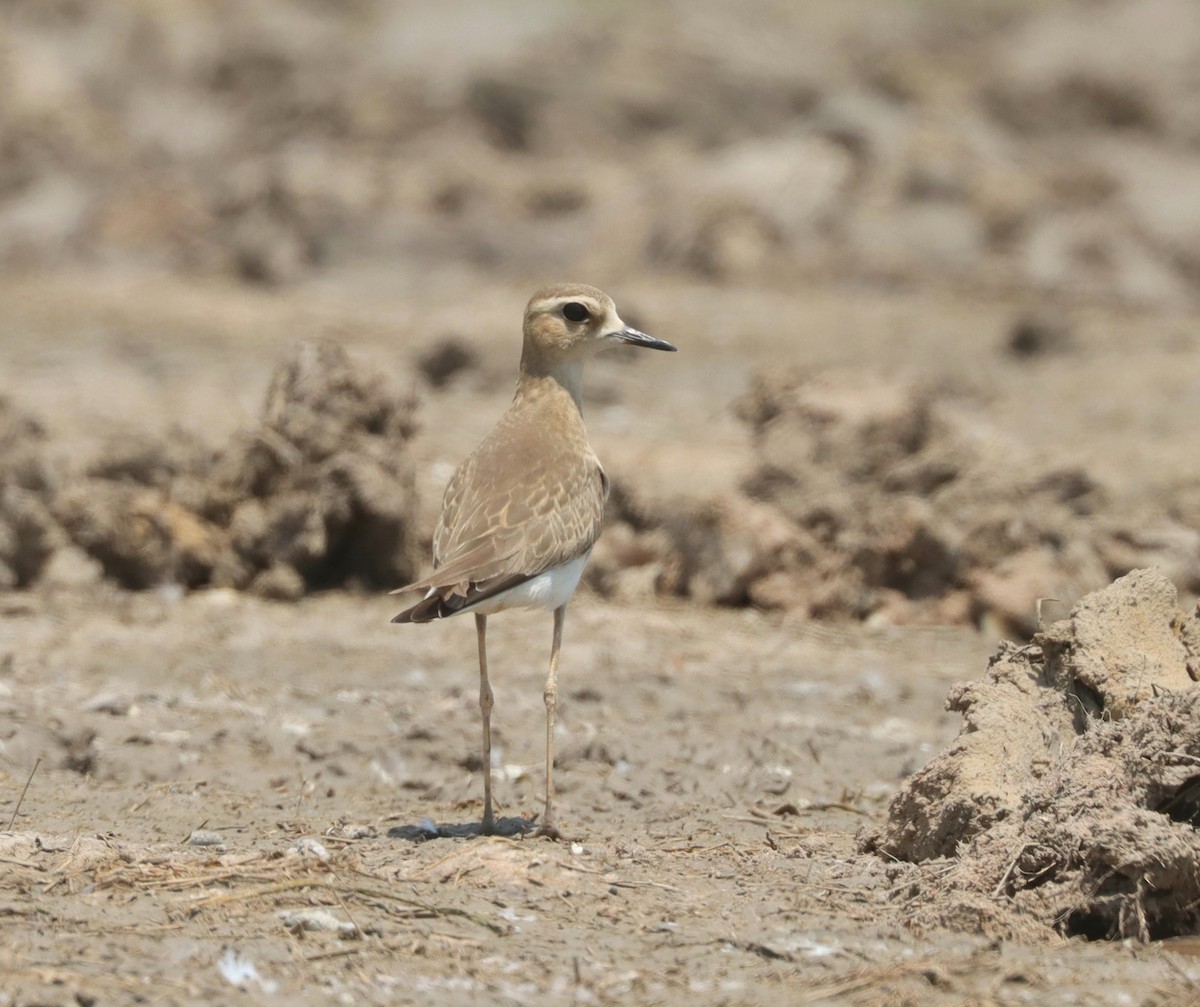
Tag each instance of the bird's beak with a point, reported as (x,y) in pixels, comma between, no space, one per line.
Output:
(635,338)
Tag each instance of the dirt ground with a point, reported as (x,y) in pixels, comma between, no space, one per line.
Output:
(933,280)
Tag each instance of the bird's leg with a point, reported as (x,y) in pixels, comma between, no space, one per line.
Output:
(485,708)
(550,695)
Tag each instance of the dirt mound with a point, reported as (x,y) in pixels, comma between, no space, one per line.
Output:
(880,497)
(321,493)
(27,531)
(1072,794)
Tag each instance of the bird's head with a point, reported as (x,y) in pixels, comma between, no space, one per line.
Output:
(571,320)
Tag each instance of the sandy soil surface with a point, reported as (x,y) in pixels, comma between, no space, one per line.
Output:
(933,280)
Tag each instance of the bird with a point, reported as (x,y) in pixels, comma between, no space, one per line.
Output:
(521,514)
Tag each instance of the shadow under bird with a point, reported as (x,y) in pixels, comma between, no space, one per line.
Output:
(521,514)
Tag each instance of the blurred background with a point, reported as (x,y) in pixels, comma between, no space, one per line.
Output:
(972,226)
(997,144)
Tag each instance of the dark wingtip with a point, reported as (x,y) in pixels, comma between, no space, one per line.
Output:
(427,609)
(417,613)
(436,606)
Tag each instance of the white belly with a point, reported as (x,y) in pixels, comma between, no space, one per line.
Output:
(549,590)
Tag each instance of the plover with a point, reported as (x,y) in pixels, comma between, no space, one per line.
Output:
(521,514)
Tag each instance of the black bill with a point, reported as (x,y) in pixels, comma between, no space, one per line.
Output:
(635,338)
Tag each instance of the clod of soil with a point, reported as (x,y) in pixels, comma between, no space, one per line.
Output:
(879,498)
(1070,794)
(140,536)
(446,360)
(27,531)
(323,491)
(1038,334)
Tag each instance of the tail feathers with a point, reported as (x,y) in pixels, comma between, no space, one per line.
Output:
(443,602)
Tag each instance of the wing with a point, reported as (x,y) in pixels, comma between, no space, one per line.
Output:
(518,506)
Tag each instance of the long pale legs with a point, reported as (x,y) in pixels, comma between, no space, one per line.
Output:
(550,695)
(485,708)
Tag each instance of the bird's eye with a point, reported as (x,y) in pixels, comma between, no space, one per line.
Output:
(575,312)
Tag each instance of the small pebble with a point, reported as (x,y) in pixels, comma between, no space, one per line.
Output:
(316,919)
(351,831)
(1036,335)
(116,706)
(307,846)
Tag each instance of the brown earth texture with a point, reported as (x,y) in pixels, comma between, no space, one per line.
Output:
(880,688)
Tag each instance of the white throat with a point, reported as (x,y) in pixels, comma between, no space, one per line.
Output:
(569,374)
